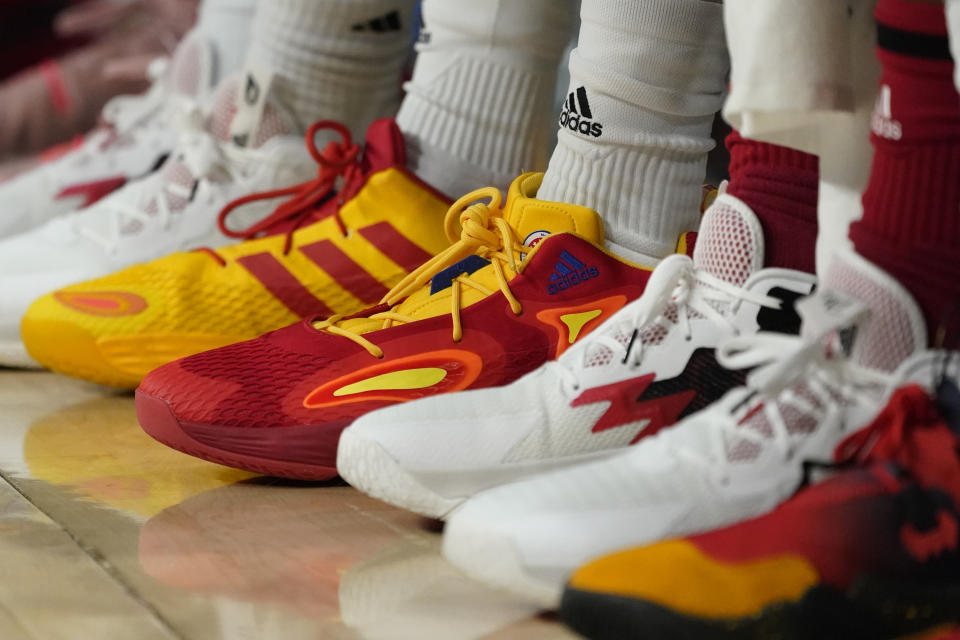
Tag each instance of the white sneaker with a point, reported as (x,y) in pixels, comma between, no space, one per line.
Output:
(137,135)
(173,209)
(734,460)
(649,365)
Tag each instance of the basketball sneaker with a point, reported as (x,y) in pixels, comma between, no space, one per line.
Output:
(651,364)
(863,337)
(318,255)
(870,553)
(173,209)
(136,136)
(521,283)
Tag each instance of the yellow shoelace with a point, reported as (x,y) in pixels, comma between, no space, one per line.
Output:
(483,232)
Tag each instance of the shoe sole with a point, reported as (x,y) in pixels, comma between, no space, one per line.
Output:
(120,361)
(14,354)
(158,420)
(871,610)
(368,467)
(494,560)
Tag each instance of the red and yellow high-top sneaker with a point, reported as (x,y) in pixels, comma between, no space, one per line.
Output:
(873,552)
(522,283)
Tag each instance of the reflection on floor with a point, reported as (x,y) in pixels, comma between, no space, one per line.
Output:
(106,534)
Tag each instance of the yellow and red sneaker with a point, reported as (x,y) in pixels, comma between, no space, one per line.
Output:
(871,552)
(522,283)
(319,253)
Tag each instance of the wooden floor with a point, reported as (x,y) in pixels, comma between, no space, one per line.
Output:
(105,534)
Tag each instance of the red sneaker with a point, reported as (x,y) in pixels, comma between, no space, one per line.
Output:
(870,553)
(520,285)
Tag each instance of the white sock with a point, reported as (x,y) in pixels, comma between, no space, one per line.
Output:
(953,31)
(226,25)
(477,108)
(333,59)
(646,79)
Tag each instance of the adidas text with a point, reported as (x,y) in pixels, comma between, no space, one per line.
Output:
(579,119)
(568,273)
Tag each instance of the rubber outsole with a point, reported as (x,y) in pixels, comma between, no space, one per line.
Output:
(368,467)
(158,420)
(120,361)
(71,350)
(492,558)
(872,609)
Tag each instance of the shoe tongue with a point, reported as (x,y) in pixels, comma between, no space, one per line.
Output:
(219,123)
(894,327)
(385,146)
(245,113)
(191,71)
(530,218)
(534,219)
(730,242)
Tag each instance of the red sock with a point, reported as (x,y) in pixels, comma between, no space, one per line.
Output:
(780,185)
(911,208)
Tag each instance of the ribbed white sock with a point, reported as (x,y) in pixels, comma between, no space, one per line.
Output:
(646,79)
(333,59)
(477,108)
(226,24)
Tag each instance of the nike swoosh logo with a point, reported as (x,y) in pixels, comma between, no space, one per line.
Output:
(401,380)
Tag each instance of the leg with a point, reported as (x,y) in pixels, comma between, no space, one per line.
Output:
(475,109)
(645,82)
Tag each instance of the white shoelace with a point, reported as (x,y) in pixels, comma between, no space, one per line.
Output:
(204,156)
(128,115)
(125,112)
(674,284)
(782,364)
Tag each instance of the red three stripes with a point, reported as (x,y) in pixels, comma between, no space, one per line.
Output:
(338,265)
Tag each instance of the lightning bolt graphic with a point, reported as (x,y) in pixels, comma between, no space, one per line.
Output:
(627,405)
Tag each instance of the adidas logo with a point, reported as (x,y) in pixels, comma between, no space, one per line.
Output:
(389,22)
(881,122)
(569,272)
(579,120)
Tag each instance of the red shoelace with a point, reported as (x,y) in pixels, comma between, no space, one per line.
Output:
(338,159)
